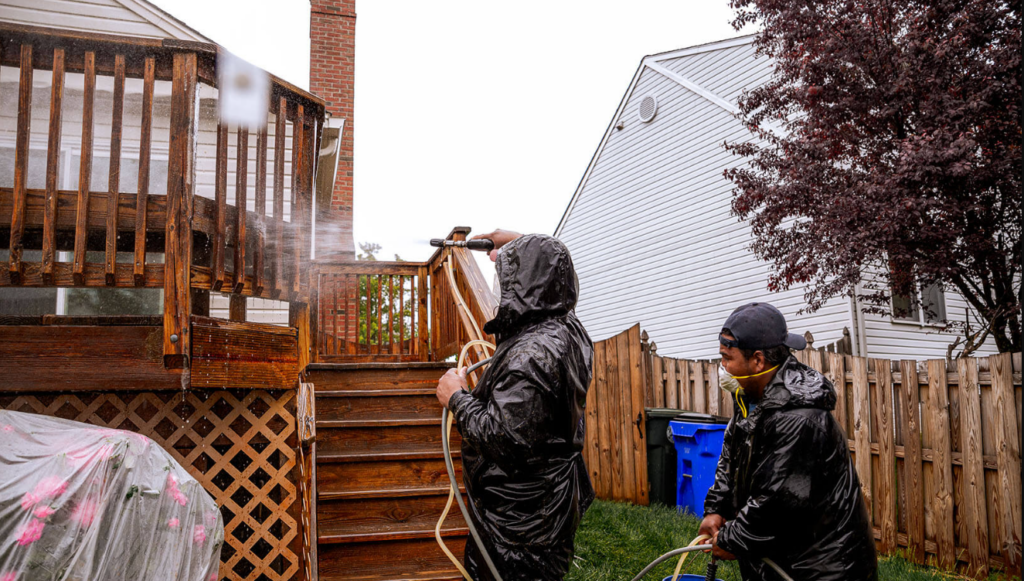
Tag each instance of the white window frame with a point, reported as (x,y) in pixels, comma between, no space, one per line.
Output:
(921,314)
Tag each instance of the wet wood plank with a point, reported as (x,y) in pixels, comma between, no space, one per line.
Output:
(1008,459)
(21,154)
(85,169)
(883,417)
(914,482)
(259,277)
(142,197)
(973,472)
(277,258)
(114,170)
(861,433)
(52,166)
(180,193)
(220,192)
(241,195)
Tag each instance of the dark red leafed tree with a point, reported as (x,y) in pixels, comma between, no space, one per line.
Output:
(889,143)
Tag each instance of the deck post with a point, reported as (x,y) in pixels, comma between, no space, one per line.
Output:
(180,191)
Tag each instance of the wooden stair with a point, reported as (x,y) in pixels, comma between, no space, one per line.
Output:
(381,478)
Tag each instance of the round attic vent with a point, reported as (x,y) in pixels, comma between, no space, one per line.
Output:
(648,108)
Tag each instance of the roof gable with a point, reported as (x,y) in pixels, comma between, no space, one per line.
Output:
(666,64)
(138,18)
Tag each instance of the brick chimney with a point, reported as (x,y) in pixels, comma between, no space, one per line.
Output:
(332,63)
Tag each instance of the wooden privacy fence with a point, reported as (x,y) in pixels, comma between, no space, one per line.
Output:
(936,445)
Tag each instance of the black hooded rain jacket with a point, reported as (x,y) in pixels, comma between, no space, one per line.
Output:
(788,489)
(522,427)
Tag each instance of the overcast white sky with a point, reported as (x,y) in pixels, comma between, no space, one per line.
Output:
(470,113)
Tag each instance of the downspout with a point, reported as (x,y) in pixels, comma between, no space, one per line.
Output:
(860,341)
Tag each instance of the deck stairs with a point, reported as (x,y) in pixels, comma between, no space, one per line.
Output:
(381,478)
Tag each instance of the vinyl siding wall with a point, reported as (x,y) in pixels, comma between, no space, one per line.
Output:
(652,235)
(654,241)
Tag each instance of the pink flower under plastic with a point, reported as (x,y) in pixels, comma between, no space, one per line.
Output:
(85,512)
(31,532)
(43,511)
(29,500)
(9,576)
(176,494)
(173,523)
(199,535)
(213,577)
(50,486)
(7,428)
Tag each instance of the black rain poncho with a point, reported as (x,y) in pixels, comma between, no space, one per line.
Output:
(788,489)
(522,427)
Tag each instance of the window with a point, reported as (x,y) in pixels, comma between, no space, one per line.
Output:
(926,306)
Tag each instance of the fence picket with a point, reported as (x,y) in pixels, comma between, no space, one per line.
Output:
(671,391)
(659,381)
(1008,460)
(886,485)
(914,483)
(700,391)
(975,518)
(861,433)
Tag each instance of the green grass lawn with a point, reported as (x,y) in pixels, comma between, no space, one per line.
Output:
(615,541)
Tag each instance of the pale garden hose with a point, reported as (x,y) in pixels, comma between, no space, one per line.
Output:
(679,565)
(453,490)
(446,427)
(693,546)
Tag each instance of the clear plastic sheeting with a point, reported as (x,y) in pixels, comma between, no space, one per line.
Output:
(79,503)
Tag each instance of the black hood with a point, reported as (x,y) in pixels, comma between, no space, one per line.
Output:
(537,282)
(799,386)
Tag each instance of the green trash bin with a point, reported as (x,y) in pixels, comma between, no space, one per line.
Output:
(661,456)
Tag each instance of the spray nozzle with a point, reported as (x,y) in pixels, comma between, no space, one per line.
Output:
(481,244)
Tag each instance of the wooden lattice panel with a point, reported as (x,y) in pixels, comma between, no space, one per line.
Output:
(239,445)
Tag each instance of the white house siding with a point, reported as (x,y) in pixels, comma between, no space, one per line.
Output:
(130,18)
(653,238)
(651,232)
(893,339)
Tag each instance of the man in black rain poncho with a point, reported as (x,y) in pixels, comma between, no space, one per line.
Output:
(786,488)
(522,426)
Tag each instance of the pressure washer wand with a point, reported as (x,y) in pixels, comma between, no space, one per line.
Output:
(481,244)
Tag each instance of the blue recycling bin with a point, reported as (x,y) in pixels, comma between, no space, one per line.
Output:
(698,442)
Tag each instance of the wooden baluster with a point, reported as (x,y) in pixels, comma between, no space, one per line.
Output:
(241,195)
(142,197)
(221,198)
(85,169)
(422,331)
(298,187)
(380,313)
(180,191)
(277,260)
(401,314)
(52,167)
(114,173)
(258,281)
(21,163)
(346,289)
(368,312)
(337,281)
(391,313)
(414,345)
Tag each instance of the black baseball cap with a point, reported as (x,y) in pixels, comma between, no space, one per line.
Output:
(760,326)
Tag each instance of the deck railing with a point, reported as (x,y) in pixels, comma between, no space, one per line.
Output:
(397,311)
(248,236)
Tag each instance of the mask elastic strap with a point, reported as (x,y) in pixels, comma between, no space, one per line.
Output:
(756,374)
(740,397)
